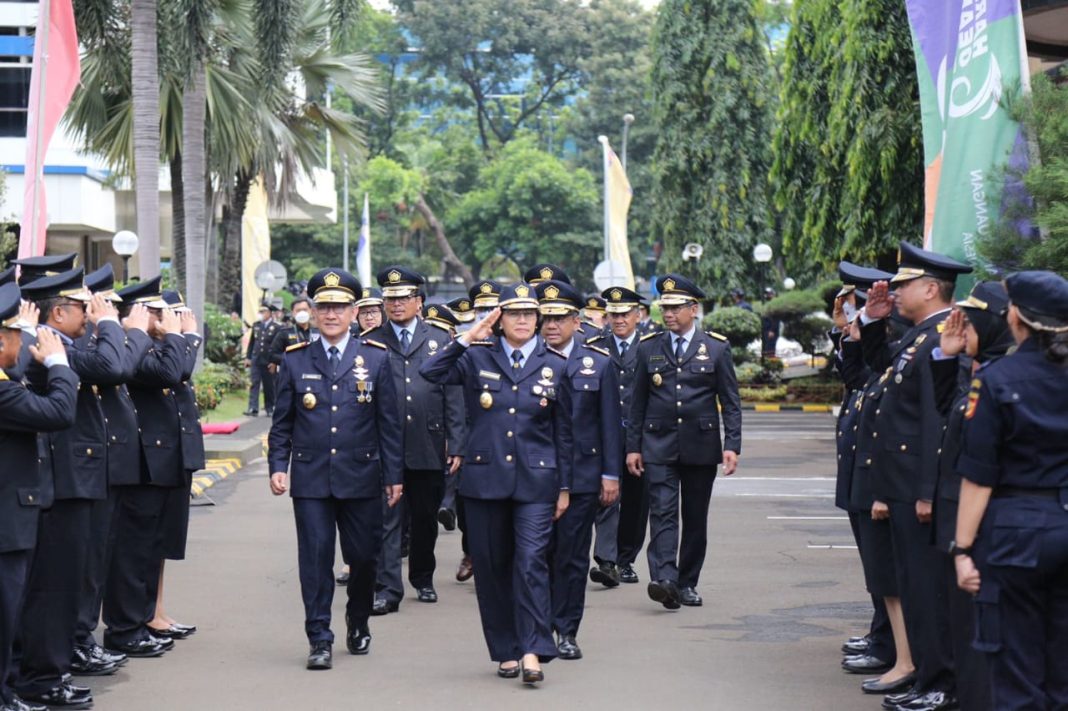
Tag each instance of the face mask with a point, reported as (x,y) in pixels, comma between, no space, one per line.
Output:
(302,317)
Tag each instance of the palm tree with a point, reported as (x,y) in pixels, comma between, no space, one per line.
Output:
(144,94)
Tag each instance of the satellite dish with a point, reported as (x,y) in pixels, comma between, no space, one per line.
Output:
(692,251)
(270,275)
(610,273)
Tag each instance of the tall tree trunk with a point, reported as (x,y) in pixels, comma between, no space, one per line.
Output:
(144,81)
(178,222)
(194,106)
(451,260)
(230,271)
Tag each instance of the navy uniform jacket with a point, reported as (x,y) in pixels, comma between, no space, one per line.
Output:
(908,424)
(850,365)
(79,453)
(625,366)
(1016,423)
(674,412)
(120,415)
(519,423)
(23,491)
(157,374)
(259,344)
(432,414)
(596,418)
(332,443)
(185,400)
(289,336)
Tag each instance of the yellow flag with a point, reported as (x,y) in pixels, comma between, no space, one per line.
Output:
(255,249)
(617,195)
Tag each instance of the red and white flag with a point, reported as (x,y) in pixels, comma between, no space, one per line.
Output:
(56,72)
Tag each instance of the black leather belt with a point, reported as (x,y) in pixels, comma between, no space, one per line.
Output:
(1017,492)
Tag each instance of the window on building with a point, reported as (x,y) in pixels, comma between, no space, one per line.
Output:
(14,98)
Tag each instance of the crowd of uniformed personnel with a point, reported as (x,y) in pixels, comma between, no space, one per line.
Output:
(101,435)
(508,413)
(953,466)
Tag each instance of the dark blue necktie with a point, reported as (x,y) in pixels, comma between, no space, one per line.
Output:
(406,339)
(517,359)
(335,359)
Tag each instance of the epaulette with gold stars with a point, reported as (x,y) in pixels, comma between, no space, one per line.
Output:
(555,352)
(365,331)
(435,324)
(647,336)
(602,351)
(480,343)
(376,344)
(717,336)
(298,346)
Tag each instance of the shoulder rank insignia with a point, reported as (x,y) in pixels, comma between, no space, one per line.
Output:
(647,336)
(594,339)
(602,351)
(941,326)
(435,324)
(376,344)
(480,343)
(554,352)
(365,331)
(717,336)
(298,346)
(3,376)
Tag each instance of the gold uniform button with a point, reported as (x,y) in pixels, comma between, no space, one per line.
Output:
(89,450)
(510,433)
(515,388)
(868,462)
(875,435)
(409,418)
(30,498)
(478,458)
(511,410)
(333,451)
(508,458)
(595,450)
(333,408)
(541,464)
(408,398)
(621,387)
(407,380)
(904,448)
(585,386)
(334,430)
(158,443)
(679,420)
(678,403)
(333,387)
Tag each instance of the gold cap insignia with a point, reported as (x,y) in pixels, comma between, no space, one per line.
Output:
(592,302)
(522,291)
(464,306)
(432,312)
(394,276)
(486,288)
(367,293)
(552,292)
(616,294)
(669,285)
(546,273)
(332,279)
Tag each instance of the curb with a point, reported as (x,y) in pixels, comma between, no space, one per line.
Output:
(214,471)
(771,407)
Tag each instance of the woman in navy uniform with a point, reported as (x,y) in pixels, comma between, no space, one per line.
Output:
(1014,501)
(517,473)
(23,489)
(337,433)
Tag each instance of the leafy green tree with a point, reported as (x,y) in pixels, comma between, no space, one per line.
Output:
(710,165)
(530,206)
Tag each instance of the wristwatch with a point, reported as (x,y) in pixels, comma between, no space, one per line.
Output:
(954,549)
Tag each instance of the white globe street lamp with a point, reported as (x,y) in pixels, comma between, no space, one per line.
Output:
(125,245)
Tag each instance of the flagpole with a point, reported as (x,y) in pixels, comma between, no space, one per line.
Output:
(44,11)
(345,202)
(603,140)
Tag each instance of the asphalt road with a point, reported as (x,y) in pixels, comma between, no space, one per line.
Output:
(781,583)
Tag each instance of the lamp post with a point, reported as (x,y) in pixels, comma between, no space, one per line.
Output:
(628,119)
(762,254)
(125,245)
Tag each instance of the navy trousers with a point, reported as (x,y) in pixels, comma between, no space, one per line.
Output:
(14,573)
(358,522)
(509,550)
(1022,605)
(99,559)
(671,489)
(633,517)
(572,535)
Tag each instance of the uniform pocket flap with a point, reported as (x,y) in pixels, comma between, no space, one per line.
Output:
(539,458)
(702,366)
(366,454)
(434,425)
(708,423)
(303,455)
(488,384)
(91,450)
(582,385)
(30,497)
(588,448)
(652,425)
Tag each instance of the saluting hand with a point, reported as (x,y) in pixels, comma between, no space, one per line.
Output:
(953,338)
(48,344)
(484,328)
(189,322)
(171,323)
(838,315)
(29,314)
(279,483)
(880,303)
(99,307)
(137,318)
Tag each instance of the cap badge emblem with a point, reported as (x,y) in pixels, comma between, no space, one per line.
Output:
(394,276)
(332,279)
(669,285)
(552,292)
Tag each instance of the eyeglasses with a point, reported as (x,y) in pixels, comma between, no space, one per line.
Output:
(675,307)
(399,299)
(332,308)
(80,304)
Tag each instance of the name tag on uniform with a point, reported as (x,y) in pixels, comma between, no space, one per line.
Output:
(487,374)
(657,359)
(311,376)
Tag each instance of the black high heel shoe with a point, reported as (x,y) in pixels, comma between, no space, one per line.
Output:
(507,672)
(531,676)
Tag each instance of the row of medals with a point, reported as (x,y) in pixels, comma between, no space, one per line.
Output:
(543,387)
(364,387)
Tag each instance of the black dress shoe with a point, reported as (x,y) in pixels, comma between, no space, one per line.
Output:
(447,518)
(18,704)
(171,633)
(874,686)
(165,642)
(142,648)
(342,579)
(866,664)
(358,640)
(63,696)
(568,647)
(100,654)
(465,571)
(320,656)
(532,676)
(856,645)
(665,592)
(507,672)
(892,701)
(931,701)
(188,629)
(606,574)
(82,663)
(250,413)
(690,598)
(383,606)
(627,574)
(427,594)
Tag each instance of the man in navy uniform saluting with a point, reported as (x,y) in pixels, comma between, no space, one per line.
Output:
(337,431)
(23,488)
(684,376)
(597,456)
